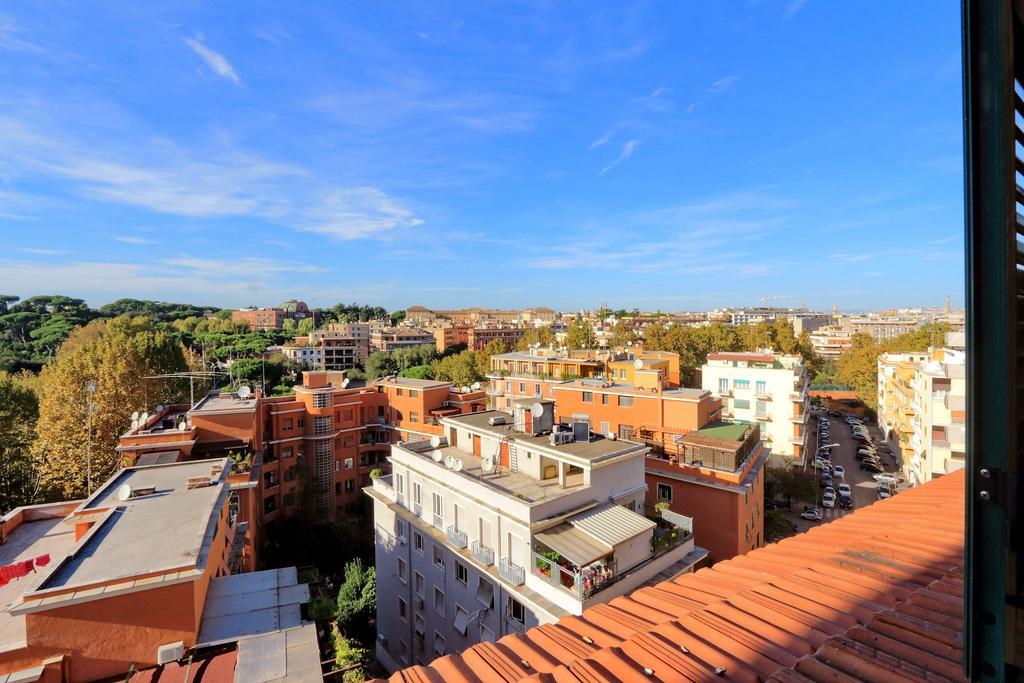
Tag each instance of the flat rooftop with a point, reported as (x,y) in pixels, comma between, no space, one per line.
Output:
(45,534)
(512,483)
(597,449)
(629,387)
(214,402)
(412,383)
(165,530)
(730,431)
(540,359)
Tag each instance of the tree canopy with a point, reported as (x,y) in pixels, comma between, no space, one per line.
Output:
(537,335)
(459,369)
(581,335)
(19,410)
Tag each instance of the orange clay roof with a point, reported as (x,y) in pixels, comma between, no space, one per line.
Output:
(874,595)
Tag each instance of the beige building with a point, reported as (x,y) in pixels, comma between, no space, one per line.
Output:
(922,409)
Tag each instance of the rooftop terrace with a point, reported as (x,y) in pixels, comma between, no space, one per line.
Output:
(597,449)
(216,402)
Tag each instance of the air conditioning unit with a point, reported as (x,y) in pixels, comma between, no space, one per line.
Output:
(497,420)
(171,652)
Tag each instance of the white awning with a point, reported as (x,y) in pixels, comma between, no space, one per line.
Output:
(572,544)
(611,524)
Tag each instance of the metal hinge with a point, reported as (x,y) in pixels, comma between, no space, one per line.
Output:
(999,487)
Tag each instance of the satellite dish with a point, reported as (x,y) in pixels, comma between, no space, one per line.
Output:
(476,386)
(537,409)
(124,492)
(135,416)
(160,408)
(435,441)
(638,363)
(465,390)
(436,455)
(143,419)
(487,464)
(344,382)
(183,426)
(457,464)
(243,392)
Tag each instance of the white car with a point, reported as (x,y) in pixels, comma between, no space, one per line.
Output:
(839,472)
(844,489)
(828,499)
(884,493)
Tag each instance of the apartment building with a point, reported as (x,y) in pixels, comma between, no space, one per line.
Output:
(311,451)
(447,336)
(831,341)
(139,577)
(305,355)
(420,315)
(922,409)
(391,338)
(802,319)
(767,388)
(531,374)
(477,338)
(271,318)
(504,523)
(715,475)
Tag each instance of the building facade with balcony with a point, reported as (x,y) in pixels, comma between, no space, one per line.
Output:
(508,522)
(922,409)
(391,338)
(767,388)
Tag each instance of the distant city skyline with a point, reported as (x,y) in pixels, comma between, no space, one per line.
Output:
(681,157)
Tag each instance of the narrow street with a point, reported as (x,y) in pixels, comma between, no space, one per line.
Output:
(861,482)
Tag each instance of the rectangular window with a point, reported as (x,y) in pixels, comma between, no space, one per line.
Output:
(438,557)
(605,428)
(348,463)
(665,492)
(723,385)
(761,407)
(461,622)
(287,423)
(437,508)
(401,528)
(417,583)
(626,431)
(741,384)
(286,452)
(413,393)
(414,416)
(398,392)
(439,600)
(402,570)
(536,389)
(508,386)
(461,573)
(761,388)
(350,485)
(438,644)
(522,387)
(516,611)
(625,401)
(588,397)
(417,541)
(741,403)
(622,374)
(403,610)
(604,399)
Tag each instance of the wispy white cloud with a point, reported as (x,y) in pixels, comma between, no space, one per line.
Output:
(217,62)
(946,240)
(131,239)
(39,251)
(218,183)
(722,85)
(627,151)
(794,7)
(658,100)
(11,37)
(603,140)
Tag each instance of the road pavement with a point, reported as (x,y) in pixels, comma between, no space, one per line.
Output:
(861,482)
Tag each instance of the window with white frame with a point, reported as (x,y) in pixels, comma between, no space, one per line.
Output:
(665,492)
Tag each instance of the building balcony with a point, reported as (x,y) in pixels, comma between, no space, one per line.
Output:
(417,509)
(438,521)
(482,554)
(384,486)
(763,395)
(511,572)
(494,392)
(457,538)
(581,582)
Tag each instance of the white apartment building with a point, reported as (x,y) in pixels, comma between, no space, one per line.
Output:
(509,522)
(767,387)
(831,341)
(922,408)
(310,357)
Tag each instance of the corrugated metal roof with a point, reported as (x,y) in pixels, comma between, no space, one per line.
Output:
(611,524)
(573,544)
(874,595)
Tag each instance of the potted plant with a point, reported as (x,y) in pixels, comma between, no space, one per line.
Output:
(375,473)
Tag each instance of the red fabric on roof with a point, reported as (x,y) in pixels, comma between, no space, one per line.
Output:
(876,595)
(833,394)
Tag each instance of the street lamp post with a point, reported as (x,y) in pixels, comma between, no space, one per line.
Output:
(90,389)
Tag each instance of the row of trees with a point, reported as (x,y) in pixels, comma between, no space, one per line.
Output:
(457,364)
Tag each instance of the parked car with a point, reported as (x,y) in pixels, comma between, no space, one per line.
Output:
(839,472)
(882,494)
(814,514)
(846,502)
(870,466)
(852,421)
(826,480)
(828,500)
(844,489)
(835,413)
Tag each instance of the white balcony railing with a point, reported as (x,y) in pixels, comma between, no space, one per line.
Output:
(457,538)
(511,572)
(482,554)
(438,521)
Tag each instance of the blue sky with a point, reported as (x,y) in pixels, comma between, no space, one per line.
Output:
(675,155)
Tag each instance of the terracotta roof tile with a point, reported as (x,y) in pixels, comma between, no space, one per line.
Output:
(874,595)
